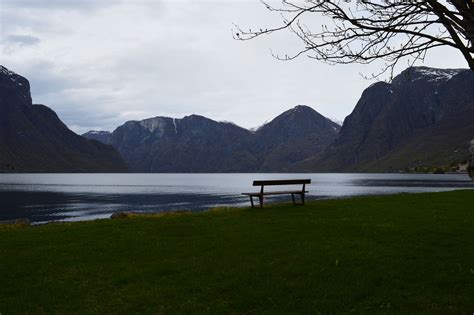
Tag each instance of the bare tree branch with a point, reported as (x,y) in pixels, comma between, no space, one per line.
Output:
(363,31)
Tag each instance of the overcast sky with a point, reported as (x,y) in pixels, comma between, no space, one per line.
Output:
(99,63)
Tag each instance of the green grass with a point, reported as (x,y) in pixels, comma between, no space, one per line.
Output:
(384,254)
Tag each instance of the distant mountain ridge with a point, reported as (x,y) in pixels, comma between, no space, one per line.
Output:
(33,138)
(199,144)
(98,135)
(424,117)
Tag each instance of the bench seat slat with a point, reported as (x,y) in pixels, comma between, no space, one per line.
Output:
(274,193)
(281,182)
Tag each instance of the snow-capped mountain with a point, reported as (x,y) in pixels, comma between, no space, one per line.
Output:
(424,117)
(426,74)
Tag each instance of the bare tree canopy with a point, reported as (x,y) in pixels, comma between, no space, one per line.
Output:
(362,31)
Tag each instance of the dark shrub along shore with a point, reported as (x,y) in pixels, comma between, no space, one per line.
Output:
(380,254)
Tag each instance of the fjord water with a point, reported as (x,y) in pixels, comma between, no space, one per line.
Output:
(74,197)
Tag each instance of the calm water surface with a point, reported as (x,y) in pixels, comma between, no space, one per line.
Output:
(74,197)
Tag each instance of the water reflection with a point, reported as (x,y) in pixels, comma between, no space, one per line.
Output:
(71,197)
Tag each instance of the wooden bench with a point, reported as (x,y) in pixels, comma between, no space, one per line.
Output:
(263,183)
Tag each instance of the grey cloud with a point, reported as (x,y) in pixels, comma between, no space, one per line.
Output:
(59,4)
(21,40)
(78,5)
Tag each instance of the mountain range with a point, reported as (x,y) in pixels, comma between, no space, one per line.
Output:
(199,144)
(33,138)
(422,118)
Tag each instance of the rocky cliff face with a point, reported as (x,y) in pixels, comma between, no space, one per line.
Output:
(33,138)
(293,136)
(424,117)
(191,144)
(198,144)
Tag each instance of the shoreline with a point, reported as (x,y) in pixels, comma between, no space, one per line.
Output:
(142,214)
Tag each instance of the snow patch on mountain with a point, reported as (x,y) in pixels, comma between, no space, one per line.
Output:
(11,80)
(437,74)
(335,120)
(10,74)
(5,71)
(175,126)
(153,124)
(98,132)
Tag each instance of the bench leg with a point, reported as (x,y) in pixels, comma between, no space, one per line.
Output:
(260,198)
(302,199)
(251,201)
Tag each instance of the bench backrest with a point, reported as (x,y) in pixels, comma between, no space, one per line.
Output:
(281,182)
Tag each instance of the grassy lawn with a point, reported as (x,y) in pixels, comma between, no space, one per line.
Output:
(384,254)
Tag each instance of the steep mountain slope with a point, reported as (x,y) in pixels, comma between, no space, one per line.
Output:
(191,144)
(293,136)
(425,117)
(198,144)
(33,138)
